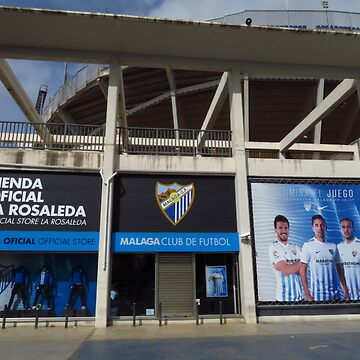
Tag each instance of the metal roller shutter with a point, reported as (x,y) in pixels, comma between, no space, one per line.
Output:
(176,284)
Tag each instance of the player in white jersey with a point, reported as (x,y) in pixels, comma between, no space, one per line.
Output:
(349,259)
(285,260)
(319,256)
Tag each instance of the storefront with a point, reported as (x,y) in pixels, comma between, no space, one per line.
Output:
(48,243)
(175,244)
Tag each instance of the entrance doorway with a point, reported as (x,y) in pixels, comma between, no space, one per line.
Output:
(175,284)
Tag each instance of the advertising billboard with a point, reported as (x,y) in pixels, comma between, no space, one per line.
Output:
(174,214)
(305,240)
(49,212)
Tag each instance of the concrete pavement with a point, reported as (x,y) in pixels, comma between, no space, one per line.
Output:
(330,340)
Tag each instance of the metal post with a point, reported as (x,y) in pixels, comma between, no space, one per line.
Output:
(37,317)
(197,313)
(160,314)
(64,140)
(220,313)
(4,317)
(66,317)
(134,314)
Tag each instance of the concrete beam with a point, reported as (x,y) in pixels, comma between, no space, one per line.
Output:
(15,89)
(66,116)
(215,107)
(319,99)
(165,96)
(217,103)
(171,79)
(103,87)
(339,94)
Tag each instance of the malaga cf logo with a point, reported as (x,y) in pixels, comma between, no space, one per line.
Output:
(174,200)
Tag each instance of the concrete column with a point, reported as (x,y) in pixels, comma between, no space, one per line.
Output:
(246,108)
(319,99)
(247,290)
(110,155)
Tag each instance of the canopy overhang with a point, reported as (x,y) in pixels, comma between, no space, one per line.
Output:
(99,38)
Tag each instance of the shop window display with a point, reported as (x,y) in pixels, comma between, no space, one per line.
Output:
(53,283)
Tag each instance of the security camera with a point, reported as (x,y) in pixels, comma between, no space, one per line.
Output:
(248,21)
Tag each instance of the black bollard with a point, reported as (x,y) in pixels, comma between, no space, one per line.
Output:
(66,317)
(160,314)
(220,313)
(37,317)
(197,313)
(4,317)
(134,314)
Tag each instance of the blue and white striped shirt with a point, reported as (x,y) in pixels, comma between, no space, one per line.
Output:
(288,287)
(320,258)
(349,258)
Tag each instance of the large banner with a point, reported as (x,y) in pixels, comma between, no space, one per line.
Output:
(49,212)
(174,214)
(305,240)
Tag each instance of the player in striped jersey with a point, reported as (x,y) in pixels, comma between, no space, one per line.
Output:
(319,256)
(349,259)
(285,260)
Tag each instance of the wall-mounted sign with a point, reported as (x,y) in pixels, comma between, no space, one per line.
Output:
(174,200)
(216,281)
(49,211)
(174,214)
(175,242)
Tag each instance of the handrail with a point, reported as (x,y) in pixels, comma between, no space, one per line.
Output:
(59,136)
(181,142)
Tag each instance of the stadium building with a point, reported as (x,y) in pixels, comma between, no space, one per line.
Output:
(150,182)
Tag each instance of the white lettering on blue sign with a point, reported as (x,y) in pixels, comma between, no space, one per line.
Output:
(172,242)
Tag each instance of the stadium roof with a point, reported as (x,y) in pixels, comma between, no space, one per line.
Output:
(164,57)
(98,38)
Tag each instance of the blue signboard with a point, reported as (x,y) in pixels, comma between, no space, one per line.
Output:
(216,281)
(64,241)
(174,242)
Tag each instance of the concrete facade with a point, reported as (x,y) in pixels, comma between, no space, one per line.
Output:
(276,52)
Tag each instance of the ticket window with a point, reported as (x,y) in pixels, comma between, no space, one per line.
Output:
(217,280)
(133,281)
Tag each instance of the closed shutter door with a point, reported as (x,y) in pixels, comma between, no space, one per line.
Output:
(176,284)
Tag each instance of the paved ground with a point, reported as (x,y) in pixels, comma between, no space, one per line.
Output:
(210,341)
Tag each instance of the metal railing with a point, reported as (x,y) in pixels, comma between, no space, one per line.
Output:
(52,136)
(182,142)
(146,141)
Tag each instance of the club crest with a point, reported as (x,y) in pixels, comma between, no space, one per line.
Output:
(354,253)
(6,273)
(331,251)
(307,206)
(174,200)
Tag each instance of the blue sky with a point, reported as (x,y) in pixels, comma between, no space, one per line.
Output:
(34,73)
